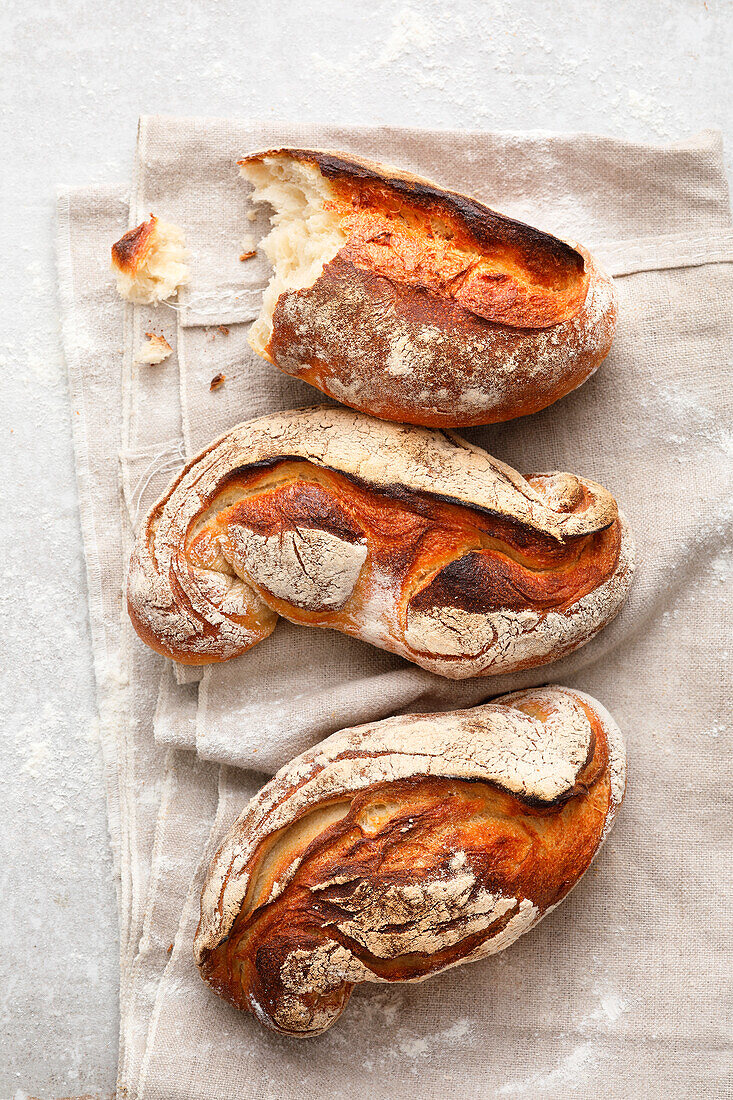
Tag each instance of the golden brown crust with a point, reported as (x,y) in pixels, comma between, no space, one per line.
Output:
(395,850)
(415,542)
(437,310)
(150,262)
(485,226)
(129,251)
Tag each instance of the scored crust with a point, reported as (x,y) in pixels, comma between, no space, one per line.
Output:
(359,862)
(416,303)
(413,540)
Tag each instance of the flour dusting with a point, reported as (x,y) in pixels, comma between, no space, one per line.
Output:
(571,1072)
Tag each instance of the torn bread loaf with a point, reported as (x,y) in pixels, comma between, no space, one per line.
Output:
(417,304)
(410,539)
(150,262)
(398,849)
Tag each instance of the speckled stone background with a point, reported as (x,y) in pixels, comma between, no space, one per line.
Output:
(75,75)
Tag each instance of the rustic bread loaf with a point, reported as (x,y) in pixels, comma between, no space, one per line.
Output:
(395,850)
(417,304)
(410,539)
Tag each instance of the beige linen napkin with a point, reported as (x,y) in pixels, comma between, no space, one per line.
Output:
(622,989)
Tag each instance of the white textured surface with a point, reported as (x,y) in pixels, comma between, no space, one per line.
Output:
(75,77)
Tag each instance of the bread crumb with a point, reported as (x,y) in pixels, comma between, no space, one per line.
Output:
(155,351)
(150,262)
(248,245)
(217,381)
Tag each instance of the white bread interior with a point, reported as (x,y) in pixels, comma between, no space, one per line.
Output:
(305,233)
(154,351)
(160,270)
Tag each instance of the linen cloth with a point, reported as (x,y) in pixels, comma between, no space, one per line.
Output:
(623,988)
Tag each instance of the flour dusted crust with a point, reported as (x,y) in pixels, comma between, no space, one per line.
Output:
(418,304)
(410,539)
(512,639)
(314,570)
(397,849)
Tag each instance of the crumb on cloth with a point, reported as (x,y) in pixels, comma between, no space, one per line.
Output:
(248,247)
(150,262)
(155,350)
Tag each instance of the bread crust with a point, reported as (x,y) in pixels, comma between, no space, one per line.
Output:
(461,351)
(129,251)
(150,262)
(484,224)
(413,540)
(400,848)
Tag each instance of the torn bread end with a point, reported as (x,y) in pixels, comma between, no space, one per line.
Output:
(155,350)
(150,262)
(305,234)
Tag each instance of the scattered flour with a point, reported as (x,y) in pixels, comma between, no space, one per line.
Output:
(609,1010)
(571,1072)
(38,757)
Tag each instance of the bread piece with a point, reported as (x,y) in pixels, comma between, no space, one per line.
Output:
(150,262)
(417,304)
(407,538)
(395,850)
(155,351)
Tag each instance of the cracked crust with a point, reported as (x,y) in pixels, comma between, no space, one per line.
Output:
(397,849)
(407,538)
(418,304)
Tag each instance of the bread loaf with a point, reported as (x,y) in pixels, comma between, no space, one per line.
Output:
(410,539)
(395,850)
(417,304)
